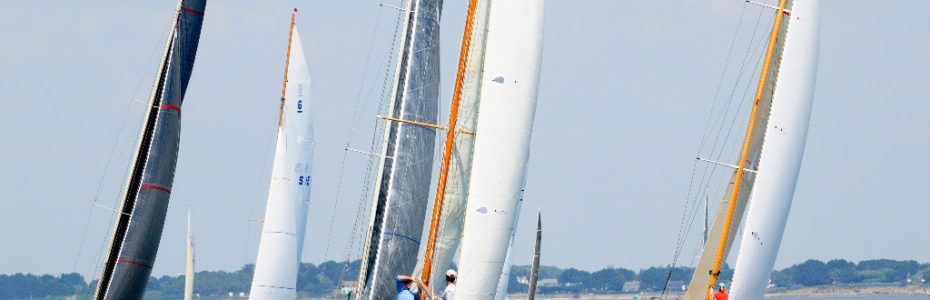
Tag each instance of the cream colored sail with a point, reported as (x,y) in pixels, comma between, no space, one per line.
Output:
(507,108)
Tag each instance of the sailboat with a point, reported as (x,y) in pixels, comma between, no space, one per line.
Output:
(769,159)
(141,217)
(284,226)
(406,157)
(189,270)
(508,90)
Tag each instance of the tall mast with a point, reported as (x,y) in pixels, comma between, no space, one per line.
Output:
(450,136)
(287,63)
(718,259)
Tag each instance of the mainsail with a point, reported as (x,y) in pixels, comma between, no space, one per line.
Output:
(766,132)
(780,161)
(285,220)
(138,227)
(504,126)
(189,271)
(402,184)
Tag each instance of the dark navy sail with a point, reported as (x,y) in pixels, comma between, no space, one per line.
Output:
(403,183)
(138,228)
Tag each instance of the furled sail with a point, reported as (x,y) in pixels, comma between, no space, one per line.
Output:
(507,107)
(449,232)
(780,160)
(698,288)
(138,227)
(282,238)
(189,271)
(403,181)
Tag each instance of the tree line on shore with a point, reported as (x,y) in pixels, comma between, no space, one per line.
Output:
(328,277)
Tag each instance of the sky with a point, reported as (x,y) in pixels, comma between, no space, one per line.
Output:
(624,92)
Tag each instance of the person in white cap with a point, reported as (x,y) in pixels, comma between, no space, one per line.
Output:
(449,292)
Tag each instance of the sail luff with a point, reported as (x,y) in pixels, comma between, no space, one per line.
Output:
(138,228)
(281,246)
(402,184)
(781,157)
(501,150)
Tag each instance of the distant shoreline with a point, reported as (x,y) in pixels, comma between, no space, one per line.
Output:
(812,292)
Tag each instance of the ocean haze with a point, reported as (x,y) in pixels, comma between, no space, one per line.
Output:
(625,90)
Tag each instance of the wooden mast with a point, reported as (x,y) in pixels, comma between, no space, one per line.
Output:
(287,63)
(718,259)
(450,136)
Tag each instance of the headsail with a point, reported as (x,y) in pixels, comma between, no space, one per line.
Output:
(402,184)
(282,240)
(507,108)
(141,218)
(781,156)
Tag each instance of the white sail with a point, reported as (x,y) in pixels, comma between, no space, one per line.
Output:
(781,155)
(189,272)
(281,243)
(505,121)
(504,281)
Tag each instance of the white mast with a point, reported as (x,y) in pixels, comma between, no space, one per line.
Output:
(189,274)
(502,140)
(282,238)
(781,155)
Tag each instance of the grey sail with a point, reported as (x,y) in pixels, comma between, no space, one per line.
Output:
(403,182)
(698,287)
(534,271)
(138,227)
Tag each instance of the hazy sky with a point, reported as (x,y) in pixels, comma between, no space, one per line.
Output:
(625,89)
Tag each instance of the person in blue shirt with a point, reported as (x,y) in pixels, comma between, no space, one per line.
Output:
(403,288)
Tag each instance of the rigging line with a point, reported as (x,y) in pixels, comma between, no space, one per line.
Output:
(708,172)
(690,209)
(717,147)
(379,130)
(689,203)
(352,128)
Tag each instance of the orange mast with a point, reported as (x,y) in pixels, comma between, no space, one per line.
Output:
(718,260)
(287,63)
(450,135)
